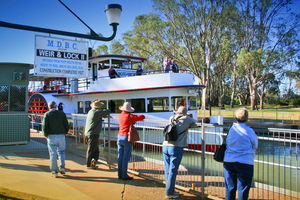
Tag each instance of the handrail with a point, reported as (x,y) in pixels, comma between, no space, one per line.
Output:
(76,137)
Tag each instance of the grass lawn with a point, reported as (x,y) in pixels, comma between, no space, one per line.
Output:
(276,114)
(13,195)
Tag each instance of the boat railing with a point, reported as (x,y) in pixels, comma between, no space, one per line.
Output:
(74,85)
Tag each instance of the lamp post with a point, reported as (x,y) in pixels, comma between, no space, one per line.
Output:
(113,12)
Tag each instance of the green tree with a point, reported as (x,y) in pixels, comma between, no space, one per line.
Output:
(267,41)
(195,25)
(102,49)
(117,48)
(148,40)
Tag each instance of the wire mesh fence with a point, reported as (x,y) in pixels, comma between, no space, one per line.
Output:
(276,168)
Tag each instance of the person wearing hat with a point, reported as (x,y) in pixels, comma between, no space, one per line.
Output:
(93,128)
(241,143)
(173,150)
(54,127)
(125,147)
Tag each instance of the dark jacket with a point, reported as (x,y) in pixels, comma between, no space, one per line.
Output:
(112,73)
(55,123)
(93,123)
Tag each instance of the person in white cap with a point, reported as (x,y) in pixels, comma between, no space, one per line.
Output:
(125,147)
(55,127)
(173,150)
(93,128)
(241,143)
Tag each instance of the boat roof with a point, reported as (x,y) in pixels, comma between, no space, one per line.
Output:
(116,59)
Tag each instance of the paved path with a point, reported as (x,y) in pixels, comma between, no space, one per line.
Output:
(28,172)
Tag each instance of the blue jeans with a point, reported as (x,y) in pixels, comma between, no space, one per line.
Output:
(124,154)
(238,176)
(172,158)
(56,147)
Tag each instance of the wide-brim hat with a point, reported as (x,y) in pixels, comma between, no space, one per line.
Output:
(96,104)
(181,110)
(127,107)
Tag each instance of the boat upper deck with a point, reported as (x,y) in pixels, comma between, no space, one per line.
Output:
(99,78)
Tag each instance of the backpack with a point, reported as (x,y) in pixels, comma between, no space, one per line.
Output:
(170,131)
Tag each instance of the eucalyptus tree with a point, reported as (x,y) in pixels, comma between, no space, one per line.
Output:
(149,38)
(117,48)
(269,82)
(269,39)
(197,24)
(102,49)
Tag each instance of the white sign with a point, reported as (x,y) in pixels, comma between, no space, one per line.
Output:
(56,57)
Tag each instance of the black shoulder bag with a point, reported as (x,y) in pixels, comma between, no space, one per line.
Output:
(220,152)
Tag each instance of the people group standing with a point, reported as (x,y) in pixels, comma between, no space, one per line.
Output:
(173,150)
(126,118)
(55,127)
(170,65)
(241,143)
(93,128)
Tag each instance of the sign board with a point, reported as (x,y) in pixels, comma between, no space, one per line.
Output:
(20,76)
(56,57)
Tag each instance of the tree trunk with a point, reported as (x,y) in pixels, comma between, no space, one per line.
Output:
(240,99)
(203,107)
(252,97)
(261,106)
(233,91)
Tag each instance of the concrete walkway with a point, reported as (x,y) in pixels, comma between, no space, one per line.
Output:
(28,172)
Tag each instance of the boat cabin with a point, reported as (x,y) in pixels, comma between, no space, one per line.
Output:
(152,93)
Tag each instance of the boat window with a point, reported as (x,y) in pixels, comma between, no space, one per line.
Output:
(159,104)
(104,104)
(114,105)
(192,103)
(138,105)
(87,106)
(126,65)
(80,106)
(178,101)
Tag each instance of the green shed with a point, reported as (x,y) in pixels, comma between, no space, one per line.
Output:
(14,120)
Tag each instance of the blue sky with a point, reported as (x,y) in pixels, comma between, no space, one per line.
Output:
(18,45)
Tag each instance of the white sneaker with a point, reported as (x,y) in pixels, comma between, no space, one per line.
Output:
(54,174)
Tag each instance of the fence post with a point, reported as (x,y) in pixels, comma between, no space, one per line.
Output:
(109,141)
(203,160)
(144,147)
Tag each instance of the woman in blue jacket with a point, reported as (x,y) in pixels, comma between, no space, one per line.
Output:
(239,156)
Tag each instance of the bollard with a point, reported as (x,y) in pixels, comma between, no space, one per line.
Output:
(193,186)
(133,167)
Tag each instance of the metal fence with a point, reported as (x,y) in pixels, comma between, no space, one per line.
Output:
(276,169)
(257,116)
